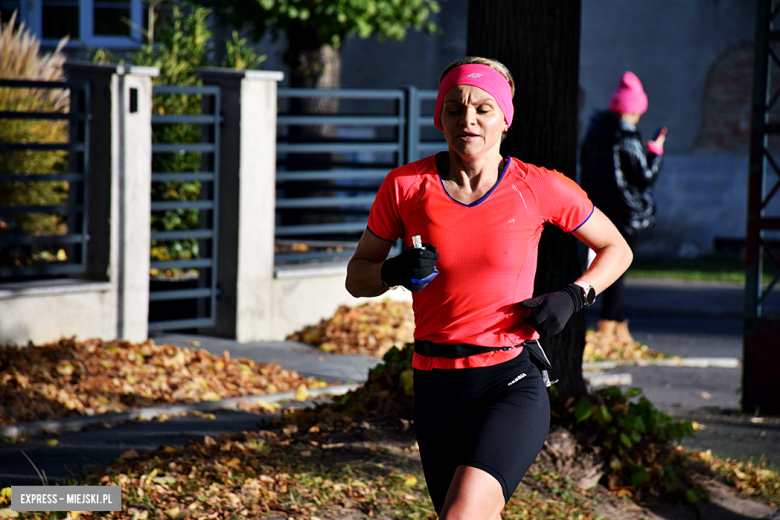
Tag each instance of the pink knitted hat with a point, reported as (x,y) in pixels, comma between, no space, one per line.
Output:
(630,97)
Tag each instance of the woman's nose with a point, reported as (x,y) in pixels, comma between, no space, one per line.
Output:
(469,116)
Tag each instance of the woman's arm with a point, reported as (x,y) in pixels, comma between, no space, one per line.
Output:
(613,256)
(363,270)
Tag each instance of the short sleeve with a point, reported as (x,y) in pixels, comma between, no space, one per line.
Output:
(561,200)
(384,220)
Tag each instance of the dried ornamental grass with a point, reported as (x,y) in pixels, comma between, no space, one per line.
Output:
(20,59)
(69,378)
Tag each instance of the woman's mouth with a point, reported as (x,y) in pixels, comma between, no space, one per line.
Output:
(467,136)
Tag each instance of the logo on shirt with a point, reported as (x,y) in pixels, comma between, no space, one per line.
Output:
(474,75)
(518,378)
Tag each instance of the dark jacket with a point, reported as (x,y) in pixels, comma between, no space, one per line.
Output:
(618,173)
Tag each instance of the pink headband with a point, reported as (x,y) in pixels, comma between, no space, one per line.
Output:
(481,76)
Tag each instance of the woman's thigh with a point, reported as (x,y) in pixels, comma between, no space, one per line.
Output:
(499,428)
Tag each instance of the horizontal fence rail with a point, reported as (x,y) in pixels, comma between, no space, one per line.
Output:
(334,148)
(185,189)
(44,192)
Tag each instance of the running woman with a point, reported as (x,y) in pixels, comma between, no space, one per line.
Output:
(482,412)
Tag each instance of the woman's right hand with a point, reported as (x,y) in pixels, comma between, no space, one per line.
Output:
(413,268)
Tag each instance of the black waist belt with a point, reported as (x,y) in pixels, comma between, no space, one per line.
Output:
(460,350)
(456,350)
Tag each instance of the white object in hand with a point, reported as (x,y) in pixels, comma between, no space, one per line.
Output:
(417,242)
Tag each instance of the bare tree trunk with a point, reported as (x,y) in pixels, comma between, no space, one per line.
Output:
(538,40)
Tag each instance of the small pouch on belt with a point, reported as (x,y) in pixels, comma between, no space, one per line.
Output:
(539,357)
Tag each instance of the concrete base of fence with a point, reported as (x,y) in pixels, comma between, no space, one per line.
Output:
(44,311)
(303,295)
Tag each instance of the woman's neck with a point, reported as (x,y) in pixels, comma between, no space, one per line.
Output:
(468,181)
(465,171)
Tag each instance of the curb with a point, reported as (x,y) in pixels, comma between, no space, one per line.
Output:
(677,362)
(74,424)
(597,380)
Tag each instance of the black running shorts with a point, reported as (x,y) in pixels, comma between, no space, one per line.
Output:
(493,418)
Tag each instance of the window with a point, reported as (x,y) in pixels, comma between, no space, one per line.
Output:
(113,24)
(7,9)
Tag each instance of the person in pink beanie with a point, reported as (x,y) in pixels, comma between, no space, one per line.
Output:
(618,172)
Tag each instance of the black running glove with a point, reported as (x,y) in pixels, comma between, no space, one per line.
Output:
(550,312)
(412,268)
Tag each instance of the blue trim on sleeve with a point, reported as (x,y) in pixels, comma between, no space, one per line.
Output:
(583,222)
(486,195)
(380,238)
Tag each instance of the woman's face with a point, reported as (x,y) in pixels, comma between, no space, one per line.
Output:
(472,121)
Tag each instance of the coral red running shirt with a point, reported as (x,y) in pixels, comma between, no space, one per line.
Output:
(487,251)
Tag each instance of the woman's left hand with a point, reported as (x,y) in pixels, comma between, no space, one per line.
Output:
(551,312)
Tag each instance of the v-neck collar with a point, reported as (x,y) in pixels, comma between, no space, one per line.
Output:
(439,160)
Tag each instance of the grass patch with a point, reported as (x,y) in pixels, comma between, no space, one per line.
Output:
(713,268)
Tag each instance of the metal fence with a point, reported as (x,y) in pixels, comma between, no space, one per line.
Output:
(185,184)
(43,178)
(334,148)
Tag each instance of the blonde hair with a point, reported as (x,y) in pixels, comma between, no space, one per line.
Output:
(494,64)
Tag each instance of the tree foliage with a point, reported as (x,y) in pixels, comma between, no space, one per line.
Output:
(321,22)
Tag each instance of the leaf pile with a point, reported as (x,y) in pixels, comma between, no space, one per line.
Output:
(68,378)
(603,347)
(260,474)
(751,480)
(372,328)
(375,327)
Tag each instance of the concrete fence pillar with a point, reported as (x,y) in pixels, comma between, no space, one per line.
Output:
(247,199)
(119,189)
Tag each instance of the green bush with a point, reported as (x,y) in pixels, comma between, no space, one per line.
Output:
(20,58)
(635,439)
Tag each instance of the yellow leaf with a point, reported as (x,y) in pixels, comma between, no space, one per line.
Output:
(173,512)
(210,396)
(411,480)
(64,368)
(302,393)
(52,442)
(7,513)
(75,514)
(327,347)
(235,462)
(265,405)
(5,496)
(61,256)
(192,342)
